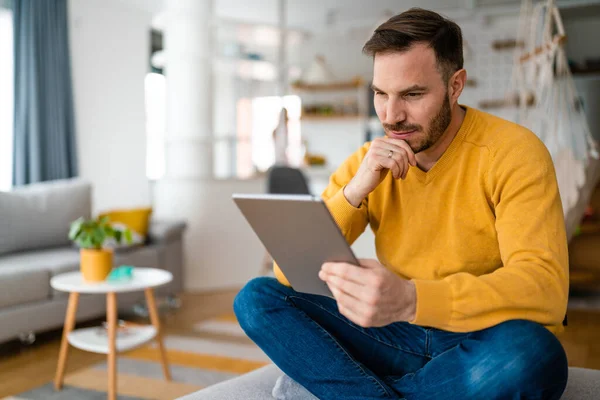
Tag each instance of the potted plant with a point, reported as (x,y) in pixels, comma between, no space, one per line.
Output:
(91,236)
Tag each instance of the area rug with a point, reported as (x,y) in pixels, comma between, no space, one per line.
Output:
(215,351)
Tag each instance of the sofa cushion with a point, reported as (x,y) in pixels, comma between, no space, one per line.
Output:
(583,384)
(39,215)
(23,286)
(287,388)
(55,261)
(66,259)
(259,384)
(49,261)
(255,385)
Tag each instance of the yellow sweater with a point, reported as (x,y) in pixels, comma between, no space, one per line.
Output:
(481,234)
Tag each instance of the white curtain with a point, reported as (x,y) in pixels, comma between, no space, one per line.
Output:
(6,98)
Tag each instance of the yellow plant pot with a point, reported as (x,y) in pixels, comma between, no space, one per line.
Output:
(96,264)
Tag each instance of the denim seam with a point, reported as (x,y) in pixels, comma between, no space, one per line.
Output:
(394,380)
(358,330)
(453,347)
(341,349)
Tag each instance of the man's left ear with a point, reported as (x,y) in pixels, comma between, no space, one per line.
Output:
(457,84)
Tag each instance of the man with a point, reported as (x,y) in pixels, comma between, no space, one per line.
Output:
(472,278)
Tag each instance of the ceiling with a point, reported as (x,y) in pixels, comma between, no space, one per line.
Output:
(320,15)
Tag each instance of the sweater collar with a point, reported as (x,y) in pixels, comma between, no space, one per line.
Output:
(444,162)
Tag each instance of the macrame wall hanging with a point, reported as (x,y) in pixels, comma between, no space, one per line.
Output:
(547,102)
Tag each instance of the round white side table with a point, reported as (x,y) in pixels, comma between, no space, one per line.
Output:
(97,340)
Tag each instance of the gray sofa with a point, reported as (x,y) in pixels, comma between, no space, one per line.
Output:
(34,247)
(583,384)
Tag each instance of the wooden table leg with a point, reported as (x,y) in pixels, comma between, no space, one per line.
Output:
(156,323)
(111,316)
(64,344)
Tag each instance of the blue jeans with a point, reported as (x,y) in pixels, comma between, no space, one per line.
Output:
(333,358)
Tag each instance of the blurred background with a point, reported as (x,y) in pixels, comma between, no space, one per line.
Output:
(178,104)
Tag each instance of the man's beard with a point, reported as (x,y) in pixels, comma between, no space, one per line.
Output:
(437,126)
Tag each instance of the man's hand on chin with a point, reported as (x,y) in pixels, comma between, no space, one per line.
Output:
(370,295)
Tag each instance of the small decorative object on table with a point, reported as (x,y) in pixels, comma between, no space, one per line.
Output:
(120,274)
(90,236)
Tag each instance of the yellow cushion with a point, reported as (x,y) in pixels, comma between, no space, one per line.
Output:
(136,219)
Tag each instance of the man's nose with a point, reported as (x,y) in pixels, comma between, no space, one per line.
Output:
(395,112)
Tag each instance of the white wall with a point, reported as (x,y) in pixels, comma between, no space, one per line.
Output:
(109,58)
(220,248)
(223,251)
(343,54)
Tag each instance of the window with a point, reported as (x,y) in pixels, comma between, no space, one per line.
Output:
(6,98)
(248,150)
(257,119)
(266,112)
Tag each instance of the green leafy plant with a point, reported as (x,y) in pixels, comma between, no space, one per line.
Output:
(92,233)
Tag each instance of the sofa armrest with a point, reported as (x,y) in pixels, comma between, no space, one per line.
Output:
(165,231)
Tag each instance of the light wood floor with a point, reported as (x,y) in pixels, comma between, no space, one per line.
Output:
(25,367)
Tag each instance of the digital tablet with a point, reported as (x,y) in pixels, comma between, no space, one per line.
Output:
(299,233)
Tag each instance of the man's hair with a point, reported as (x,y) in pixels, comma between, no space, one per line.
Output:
(416,25)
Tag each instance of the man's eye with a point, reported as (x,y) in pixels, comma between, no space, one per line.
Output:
(414,94)
(379,93)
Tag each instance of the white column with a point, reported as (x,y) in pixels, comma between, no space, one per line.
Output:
(282,67)
(220,250)
(189,142)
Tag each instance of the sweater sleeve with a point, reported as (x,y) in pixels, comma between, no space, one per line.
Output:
(532,282)
(351,220)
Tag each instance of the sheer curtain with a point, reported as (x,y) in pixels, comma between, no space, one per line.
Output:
(6,98)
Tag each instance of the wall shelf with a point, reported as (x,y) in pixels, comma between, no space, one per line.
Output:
(327,87)
(332,117)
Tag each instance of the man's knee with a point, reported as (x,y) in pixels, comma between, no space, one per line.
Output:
(527,340)
(256,297)
(520,356)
